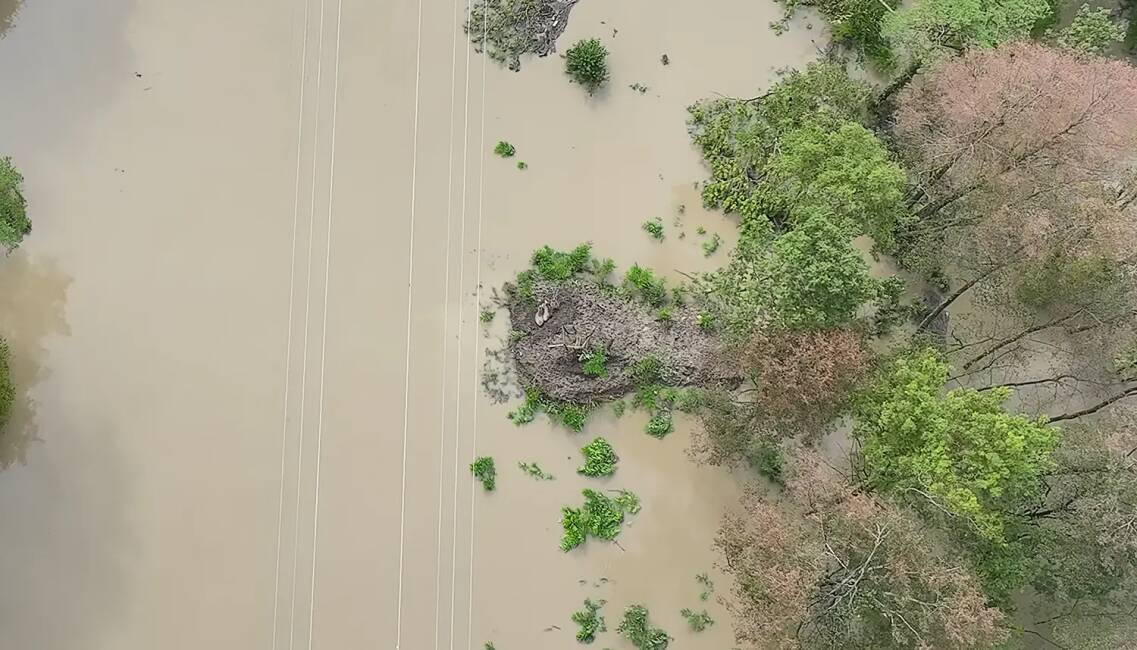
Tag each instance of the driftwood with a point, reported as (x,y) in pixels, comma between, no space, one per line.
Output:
(506,29)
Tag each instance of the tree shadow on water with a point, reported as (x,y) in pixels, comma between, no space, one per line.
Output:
(33,294)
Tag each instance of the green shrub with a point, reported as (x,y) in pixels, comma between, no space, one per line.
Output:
(1093,31)
(572,416)
(589,621)
(654,228)
(586,63)
(558,266)
(709,247)
(641,283)
(767,458)
(486,316)
(594,363)
(636,628)
(708,587)
(504,149)
(14,223)
(534,470)
(484,470)
(600,516)
(659,425)
(522,165)
(599,459)
(855,23)
(698,621)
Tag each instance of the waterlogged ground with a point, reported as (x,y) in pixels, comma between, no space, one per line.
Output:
(210,320)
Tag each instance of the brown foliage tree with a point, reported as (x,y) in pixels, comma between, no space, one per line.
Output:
(799,382)
(828,566)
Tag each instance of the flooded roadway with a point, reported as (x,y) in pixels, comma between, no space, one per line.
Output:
(249,388)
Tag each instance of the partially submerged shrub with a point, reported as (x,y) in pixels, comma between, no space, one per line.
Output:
(484,470)
(586,63)
(599,459)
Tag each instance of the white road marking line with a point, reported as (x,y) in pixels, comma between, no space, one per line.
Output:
(461,293)
(288,343)
(407,369)
(445,320)
(307,315)
(477,341)
(324,326)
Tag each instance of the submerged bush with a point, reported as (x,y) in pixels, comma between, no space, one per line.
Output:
(587,64)
(14,223)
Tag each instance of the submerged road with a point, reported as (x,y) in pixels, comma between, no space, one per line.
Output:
(248,315)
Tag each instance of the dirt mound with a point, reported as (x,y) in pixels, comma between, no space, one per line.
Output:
(582,316)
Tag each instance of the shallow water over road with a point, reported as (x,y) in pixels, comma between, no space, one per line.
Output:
(221,318)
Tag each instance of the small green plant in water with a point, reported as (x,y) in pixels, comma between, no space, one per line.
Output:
(767,458)
(484,470)
(572,416)
(654,228)
(586,63)
(490,646)
(701,230)
(659,425)
(504,149)
(709,247)
(600,516)
(599,458)
(638,87)
(698,621)
(618,407)
(534,470)
(487,315)
(522,165)
(638,630)
(589,620)
(708,586)
(594,363)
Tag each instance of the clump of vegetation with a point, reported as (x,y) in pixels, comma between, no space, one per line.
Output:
(641,283)
(698,621)
(586,63)
(14,223)
(708,587)
(618,407)
(1093,31)
(534,470)
(589,621)
(7,389)
(487,315)
(664,315)
(659,425)
(504,149)
(594,362)
(599,459)
(637,629)
(600,516)
(766,456)
(522,165)
(484,470)
(712,245)
(572,416)
(551,265)
(931,29)
(855,23)
(654,227)
(638,87)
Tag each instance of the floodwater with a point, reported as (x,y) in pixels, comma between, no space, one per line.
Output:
(245,325)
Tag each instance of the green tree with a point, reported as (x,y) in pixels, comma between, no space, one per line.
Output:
(1092,31)
(855,23)
(7,389)
(927,29)
(958,452)
(14,223)
(841,168)
(587,64)
(817,278)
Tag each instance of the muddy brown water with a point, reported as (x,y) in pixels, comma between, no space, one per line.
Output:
(209,322)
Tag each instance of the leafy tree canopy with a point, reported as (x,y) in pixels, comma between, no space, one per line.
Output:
(927,29)
(959,451)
